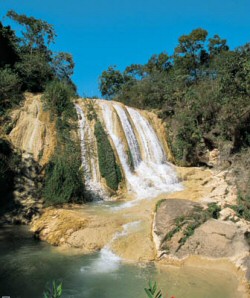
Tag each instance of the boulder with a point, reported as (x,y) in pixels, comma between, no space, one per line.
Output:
(176,232)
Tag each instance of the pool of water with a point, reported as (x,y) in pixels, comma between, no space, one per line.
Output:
(27,266)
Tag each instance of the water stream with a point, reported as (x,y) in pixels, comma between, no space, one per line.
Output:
(28,265)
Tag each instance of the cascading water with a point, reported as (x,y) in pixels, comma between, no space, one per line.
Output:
(89,160)
(152,148)
(130,135)
(150,174)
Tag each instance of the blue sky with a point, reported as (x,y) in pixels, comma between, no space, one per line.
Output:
(100,33)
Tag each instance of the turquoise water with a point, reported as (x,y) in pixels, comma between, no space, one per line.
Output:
(28,265)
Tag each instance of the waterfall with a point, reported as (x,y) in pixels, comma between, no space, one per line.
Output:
(132,137)
(151,145)
(89,156)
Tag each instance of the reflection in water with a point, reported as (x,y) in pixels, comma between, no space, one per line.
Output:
(27,265)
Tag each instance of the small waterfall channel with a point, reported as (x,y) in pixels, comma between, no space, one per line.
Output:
(137,147)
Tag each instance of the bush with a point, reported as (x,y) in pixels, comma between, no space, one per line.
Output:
(57,98)
(108,167)
(10,86)
(63,178)
(34,71)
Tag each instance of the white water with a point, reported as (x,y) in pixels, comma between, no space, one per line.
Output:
(89,159)
(151,145)
(152,174)
(130,135)
(108,261)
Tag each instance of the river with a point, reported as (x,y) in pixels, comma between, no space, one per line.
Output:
(28,265)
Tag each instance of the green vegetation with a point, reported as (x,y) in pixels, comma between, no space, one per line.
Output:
(91,110)
(152,291)
(54,292)
(27,63)
(63,174)
(188,224)
(9,169)
(242,208)
(158,204)
(57,98)
(109,169)
(201,91)
(63,178)
(130,160)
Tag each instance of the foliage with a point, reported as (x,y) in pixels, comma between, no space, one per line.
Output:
(152,291)
(109,169)
(63,175)
(54,292)
(9,88)
(34,71)
(8,46)
(27,62)
(188,224)
(63,66)
(63,178)
(201,91)
(57,98)
(158,204)
(242,208)
(38,34)
(110,82)
(91,109)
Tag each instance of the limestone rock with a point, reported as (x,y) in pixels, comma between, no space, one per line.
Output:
(33,130)
(216,239)
(167,214)
(213,238)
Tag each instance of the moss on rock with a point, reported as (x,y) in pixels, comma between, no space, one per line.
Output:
(109,169)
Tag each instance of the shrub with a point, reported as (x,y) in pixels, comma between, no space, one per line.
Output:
(63,179)
(34,71)
(57,98)
(54,292)
(10,86)
(109,169)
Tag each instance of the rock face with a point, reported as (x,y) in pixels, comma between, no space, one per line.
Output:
(33,131)
(71,229)
(216,239)
(213,238)
(33,136)
(25,201)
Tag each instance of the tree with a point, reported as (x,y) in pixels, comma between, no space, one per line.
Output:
(159,62)
(34,71)
(63,66)
(38,34)
(36,64)
(110,82)
(10,86)
(217,45)
(58,97)
(8,46)
(191,52)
